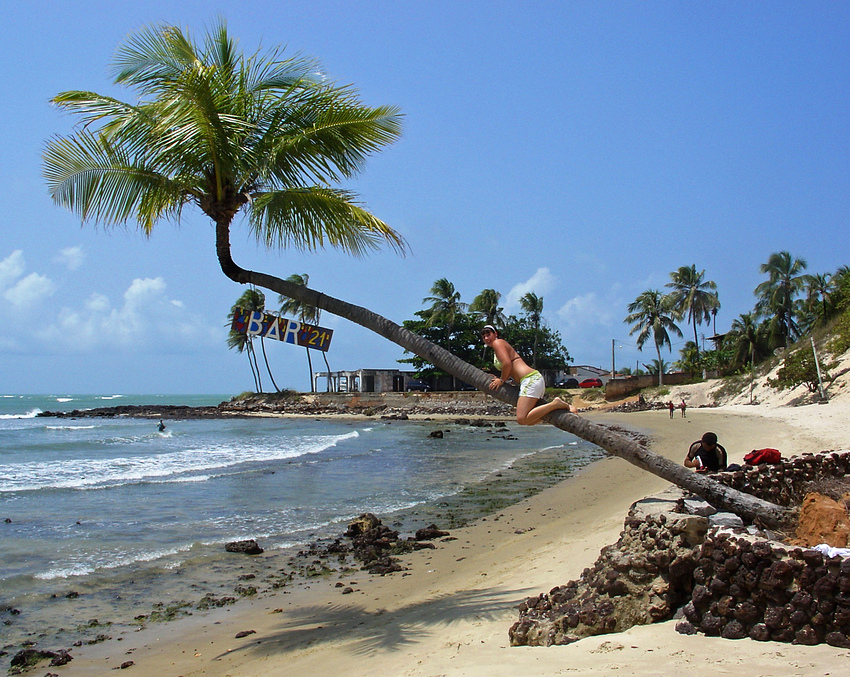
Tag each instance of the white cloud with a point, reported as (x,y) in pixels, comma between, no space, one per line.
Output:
(540,283)
(71,257)
(11,268)
(586,310)
(146,321)
(30,290)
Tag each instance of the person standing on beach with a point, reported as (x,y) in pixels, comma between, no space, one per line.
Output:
(682,407)
(706,455)
(671,408)
(531,383)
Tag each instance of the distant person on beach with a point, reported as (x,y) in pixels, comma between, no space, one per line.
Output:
(682,407)
(161,426)
(706,455)
(671,408)
(531,383)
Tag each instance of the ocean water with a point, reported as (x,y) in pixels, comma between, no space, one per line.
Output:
(115,510)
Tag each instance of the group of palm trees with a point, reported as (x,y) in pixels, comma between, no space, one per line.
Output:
(789,304)
(254,300)
(446,310)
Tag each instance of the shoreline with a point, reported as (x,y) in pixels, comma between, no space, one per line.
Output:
(450,612)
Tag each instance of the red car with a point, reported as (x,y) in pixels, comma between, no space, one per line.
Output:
(590,383)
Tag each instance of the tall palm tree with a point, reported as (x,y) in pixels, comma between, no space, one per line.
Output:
(445,305)
(776,294)
(250,300)
(532,306)
(651,314)
(486,306)
(304,312)
(747,340)
(267,137)
(819,304)
(693,297)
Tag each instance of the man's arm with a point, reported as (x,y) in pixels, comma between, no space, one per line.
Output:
(691,460)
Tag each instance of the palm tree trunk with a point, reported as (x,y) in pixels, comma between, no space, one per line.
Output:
(268,368)
(325,356)
(660,368)
(253,371)
(258,380)
(310,367)
(719,495)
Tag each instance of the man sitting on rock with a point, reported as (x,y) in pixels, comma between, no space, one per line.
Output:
(706,455)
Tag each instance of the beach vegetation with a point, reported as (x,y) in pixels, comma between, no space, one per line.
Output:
(801,367)
(163,613)
(270,139)
(652,315)
(839,341)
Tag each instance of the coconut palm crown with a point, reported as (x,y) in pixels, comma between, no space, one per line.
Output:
(224,132)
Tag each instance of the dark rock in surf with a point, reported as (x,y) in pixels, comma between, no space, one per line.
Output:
(249,547)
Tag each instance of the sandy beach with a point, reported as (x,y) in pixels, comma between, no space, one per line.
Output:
(450,611)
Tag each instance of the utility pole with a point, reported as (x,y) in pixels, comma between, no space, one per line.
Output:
(817,366)
(613,370)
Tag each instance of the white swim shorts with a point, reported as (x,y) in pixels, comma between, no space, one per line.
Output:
(532,385)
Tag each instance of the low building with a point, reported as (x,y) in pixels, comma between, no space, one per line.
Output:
(362,381)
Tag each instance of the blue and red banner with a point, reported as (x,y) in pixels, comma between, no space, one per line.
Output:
(266,325)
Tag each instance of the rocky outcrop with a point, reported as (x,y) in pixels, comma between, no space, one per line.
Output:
(730,581)
(787,483)
(750,587)
(642,579)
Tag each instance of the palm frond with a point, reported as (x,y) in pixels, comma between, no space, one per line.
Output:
(101,183)
(314,218)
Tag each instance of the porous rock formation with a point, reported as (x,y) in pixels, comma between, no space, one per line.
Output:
(731,581)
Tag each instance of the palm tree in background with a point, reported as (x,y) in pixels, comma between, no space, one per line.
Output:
(776,294)
(251,300)
(819,305)
(267,137)
(445,307)
(532,306)
(486,306)
(306,313)
(651,315)
(747,340)
(693,297)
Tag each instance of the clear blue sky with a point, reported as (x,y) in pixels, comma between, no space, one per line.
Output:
(580,150)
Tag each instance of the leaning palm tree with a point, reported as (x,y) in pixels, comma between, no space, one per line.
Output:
(532,306)
(651,314)
(692,297)
(267,137)
(776,294)
(304,312)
